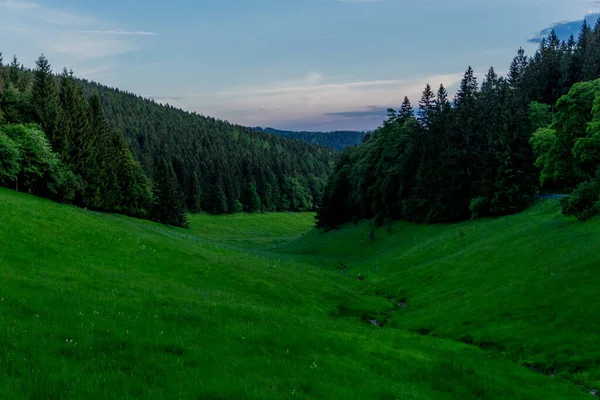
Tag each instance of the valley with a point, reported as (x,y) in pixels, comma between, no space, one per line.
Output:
(257,306)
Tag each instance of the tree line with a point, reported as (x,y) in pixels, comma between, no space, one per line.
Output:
(338,140)
(134,156)
(487,151)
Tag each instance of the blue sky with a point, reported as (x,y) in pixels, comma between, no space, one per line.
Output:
(310,64)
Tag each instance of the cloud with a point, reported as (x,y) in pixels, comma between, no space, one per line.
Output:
(87,73)
(317,100)
(564,29)
(370,111)
(63,35)
(120,32)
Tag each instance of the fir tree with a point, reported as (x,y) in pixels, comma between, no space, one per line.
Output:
(251,198)
(2,75)
(517,70)
(169,205)
(426,107)
(13,71)
(406,110)
(195,195)
(43,95)
(591,64)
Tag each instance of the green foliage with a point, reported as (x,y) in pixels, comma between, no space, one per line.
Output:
(14,106)
(429,170)
(540,115)
(541,142)
(33,166)
(9,160)
(479,207)
(296,193)
(169,203)
(251,198)
(338,140)
(194,199)
(43,95)
(112,140)
(584,202)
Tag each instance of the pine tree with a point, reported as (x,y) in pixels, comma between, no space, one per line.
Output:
(219,198)
(517,70)
(195,195)
(73,140)
(569,67)
(426,107)
(591,64)
(406,110)
(104,159)
(2,75)
(582,50)
(251,199)
(488,101)
(169,204)
(43,95)
(13,71)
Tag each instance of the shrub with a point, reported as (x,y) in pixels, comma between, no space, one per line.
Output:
(9,160)
(584,202)
(479,207)
(40,170)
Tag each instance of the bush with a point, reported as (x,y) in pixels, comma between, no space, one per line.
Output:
(584,202)
(40,170)
(479,207)
(9,160)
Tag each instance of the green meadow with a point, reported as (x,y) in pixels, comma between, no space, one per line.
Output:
(251,306)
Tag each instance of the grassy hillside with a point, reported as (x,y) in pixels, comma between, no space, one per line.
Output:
(101,306)
(525,285)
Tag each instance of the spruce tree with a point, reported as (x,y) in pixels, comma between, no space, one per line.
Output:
(43,95)
(251,199)
(426,107)
(105,158)
(2,75)
(591,64)
(195,195)
(406,110)
(169,204)
(582,50)
(13,71)
(517,70)
(73,140)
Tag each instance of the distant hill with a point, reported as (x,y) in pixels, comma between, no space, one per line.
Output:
(338,140)
(565,29)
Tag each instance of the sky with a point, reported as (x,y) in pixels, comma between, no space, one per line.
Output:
(299,65)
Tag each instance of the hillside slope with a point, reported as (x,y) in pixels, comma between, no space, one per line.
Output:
(102,306)
(224,156)
(524,285)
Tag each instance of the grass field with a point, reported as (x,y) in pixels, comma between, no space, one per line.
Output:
(262,307)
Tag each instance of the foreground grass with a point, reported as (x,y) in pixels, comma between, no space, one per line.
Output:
(101,306)
(525,286)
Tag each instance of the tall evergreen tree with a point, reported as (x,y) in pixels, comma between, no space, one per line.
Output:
(406,110)
(13,71)
(517,70)
(591,64)
(73,138)
(582,50)
(2,74)
(426,106)
(169,204)
(43,95)
(195,195)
